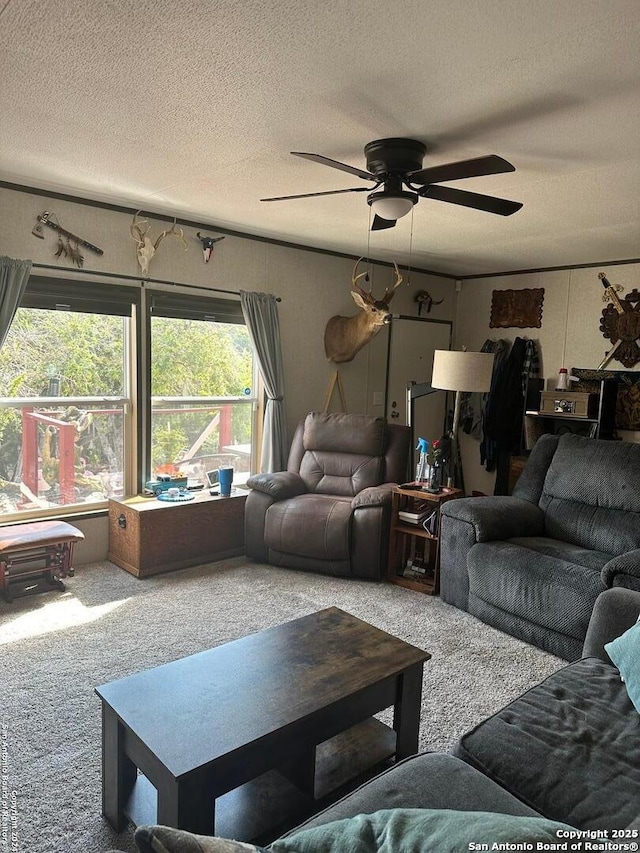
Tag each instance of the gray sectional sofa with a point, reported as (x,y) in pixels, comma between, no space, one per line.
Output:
(533,564)
(568,750)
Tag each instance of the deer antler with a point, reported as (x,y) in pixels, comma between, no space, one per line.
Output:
(354,280)
(138,229)
(146,249)
(388,294)
(171,233)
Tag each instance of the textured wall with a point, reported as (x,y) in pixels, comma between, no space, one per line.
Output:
(570,335)
(312,286)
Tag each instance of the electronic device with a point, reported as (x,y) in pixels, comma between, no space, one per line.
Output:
(213,478)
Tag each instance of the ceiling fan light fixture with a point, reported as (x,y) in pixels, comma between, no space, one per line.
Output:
(392,205)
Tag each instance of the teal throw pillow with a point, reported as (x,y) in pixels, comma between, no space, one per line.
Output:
(423,831)
(624,651)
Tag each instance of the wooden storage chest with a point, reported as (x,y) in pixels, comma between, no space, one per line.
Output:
(148,536)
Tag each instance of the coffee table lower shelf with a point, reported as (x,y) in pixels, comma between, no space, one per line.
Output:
(264,808)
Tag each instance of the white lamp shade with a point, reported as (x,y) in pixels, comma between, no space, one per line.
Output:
(462,371)
(392,207)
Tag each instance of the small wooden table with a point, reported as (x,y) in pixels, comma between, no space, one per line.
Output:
(148,536)
(405,538)
(204,725)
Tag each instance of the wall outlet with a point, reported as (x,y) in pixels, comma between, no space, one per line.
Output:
(378,398)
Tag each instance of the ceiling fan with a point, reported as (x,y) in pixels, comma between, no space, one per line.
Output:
(394,164)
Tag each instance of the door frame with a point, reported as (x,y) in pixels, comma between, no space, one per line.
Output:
(395,317)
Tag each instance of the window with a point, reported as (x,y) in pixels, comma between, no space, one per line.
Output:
(202,387)
(64,419)
(80,421)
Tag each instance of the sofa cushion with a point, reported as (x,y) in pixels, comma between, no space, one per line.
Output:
(164,839)
(429,780)
(589,495)
(563,551)
(569,747)
(310,526)
(422,831)
(624,651)
(531,584)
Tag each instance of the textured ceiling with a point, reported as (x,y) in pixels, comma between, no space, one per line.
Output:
(190,108)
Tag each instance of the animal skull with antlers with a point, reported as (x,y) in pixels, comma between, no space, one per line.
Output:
(344,337)
(146,247)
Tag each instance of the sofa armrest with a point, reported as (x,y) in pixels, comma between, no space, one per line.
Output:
(467,521)
(278,486)
(624,564)
(374,496)
(614,612)
(496,517)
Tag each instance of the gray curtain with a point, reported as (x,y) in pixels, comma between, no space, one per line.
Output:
(14,276)
(261,316)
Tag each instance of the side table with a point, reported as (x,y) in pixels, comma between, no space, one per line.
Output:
(412,543)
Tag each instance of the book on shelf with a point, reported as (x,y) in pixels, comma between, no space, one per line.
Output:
(413,517)
(426,518)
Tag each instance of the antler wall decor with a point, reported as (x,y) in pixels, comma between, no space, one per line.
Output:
(145,246)
(423,297)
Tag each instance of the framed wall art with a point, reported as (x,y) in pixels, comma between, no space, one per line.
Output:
(517,308)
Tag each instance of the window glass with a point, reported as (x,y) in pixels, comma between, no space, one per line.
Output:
(202,378)
(62,411)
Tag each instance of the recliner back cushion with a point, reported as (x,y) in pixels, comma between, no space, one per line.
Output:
(340,473)
(343,454)
(338,433)
(591,494)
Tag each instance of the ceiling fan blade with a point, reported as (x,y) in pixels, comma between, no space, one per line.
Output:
(379,224)
(335,164)
(489,165)
(489,203)
(311,195)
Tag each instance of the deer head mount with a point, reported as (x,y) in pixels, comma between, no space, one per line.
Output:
(344,337)
(145,246)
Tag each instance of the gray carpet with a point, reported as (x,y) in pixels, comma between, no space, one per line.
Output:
(57,647)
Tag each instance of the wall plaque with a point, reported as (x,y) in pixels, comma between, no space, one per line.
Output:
(519,308)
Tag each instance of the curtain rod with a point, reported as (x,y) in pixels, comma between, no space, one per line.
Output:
(142,281)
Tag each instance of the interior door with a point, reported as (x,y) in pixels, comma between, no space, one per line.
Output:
(412,342)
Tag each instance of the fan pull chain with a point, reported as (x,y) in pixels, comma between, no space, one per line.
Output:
(410,248)
(370,276)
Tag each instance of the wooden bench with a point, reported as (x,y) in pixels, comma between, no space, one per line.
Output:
(35,554)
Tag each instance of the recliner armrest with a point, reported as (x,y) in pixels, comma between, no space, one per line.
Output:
(279,485)
(374,496)
(623,564)
(614,612)
(497,517)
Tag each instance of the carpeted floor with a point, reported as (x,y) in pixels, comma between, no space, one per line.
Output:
(57,647)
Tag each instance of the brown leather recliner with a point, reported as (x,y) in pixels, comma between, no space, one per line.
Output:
(329,511)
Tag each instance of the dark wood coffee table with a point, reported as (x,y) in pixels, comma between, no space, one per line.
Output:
(277,700)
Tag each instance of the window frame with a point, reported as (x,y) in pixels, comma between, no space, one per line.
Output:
(140,303)
(89,297)
(201,308)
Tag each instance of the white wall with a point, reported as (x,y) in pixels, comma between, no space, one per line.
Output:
(313,287)
(570,335)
